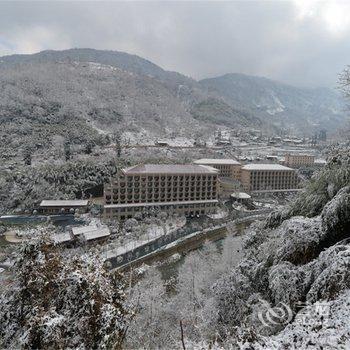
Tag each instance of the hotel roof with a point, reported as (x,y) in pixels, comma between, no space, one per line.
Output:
(217,161)
(170,169)
(271,167)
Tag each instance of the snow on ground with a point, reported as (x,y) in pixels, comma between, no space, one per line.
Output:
(220,214)
(142,137)
(264,205)
(239,207)
(322,325)
(94,126)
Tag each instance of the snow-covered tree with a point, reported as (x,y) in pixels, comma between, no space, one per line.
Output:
(58,301)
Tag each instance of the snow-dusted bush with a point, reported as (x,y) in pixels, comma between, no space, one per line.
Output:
(58,301)
(331,273)
(321,325)
(288,283)
(231,296)
(336,213)
(298,240)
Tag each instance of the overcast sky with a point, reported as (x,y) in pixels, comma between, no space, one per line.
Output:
(305,43)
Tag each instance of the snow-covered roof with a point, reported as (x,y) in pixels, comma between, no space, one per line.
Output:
(91,232)
(82,229)
(217,161)
(99,232)
(158,204)
(273,167)
(240,195)
(64,203)
(62,237)
(320,161)
(169,169)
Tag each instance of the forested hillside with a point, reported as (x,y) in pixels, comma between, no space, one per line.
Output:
(82,94)
(78,100)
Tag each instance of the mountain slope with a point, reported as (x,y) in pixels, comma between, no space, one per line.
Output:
(121,60)
(286,106)
(41,100)
(79,92)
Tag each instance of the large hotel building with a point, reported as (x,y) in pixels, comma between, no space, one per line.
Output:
(268,177)
(186,189)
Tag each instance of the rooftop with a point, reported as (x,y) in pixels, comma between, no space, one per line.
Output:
(99,232)
(83,229)
(91,231)
(272,167)
(170,169)
(64,203)
(217,161)
(62,237)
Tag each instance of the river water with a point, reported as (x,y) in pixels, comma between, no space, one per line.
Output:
(170,268)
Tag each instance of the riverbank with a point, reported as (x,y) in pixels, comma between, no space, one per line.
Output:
(184,244)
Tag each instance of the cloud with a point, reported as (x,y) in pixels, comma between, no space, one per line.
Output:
(298,42)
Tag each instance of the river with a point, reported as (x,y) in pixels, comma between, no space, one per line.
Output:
(170,268)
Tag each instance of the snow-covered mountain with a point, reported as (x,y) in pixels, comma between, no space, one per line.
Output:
(83,93)
(284,105)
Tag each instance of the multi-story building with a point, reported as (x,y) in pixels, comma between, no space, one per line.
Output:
(185,189)
(268,177)
(227,167)
(298,160)
(229,174)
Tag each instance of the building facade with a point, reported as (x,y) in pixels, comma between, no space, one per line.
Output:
(229,168)
(184,189)
(298,160)
(268,177)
